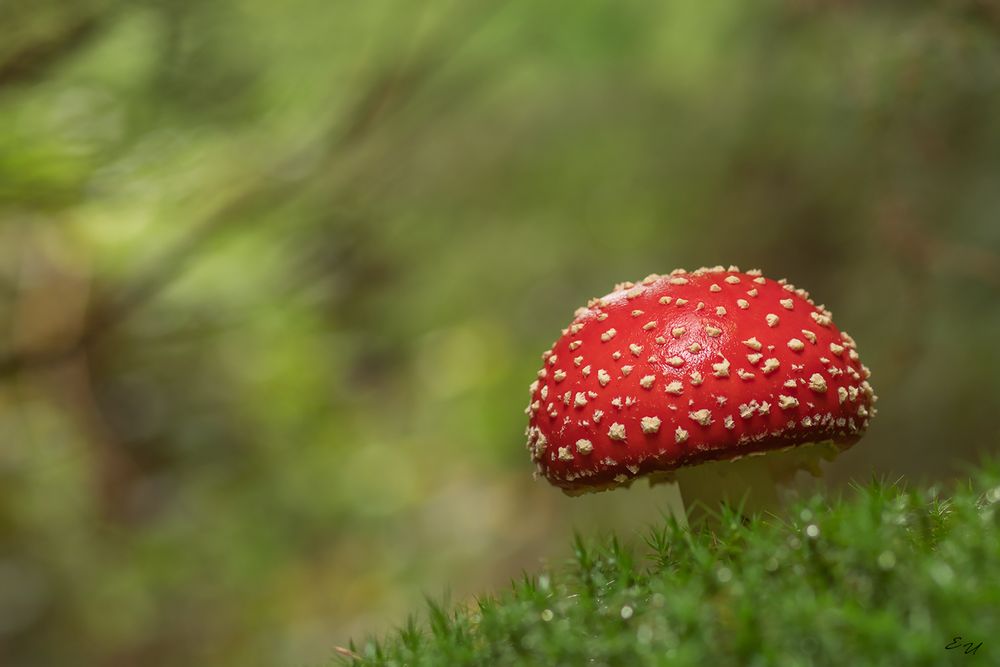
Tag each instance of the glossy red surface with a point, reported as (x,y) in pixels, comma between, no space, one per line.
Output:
(729,363)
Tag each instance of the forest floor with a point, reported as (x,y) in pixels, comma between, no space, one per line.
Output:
(880,575)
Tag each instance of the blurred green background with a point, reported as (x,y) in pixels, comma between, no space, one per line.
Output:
(274,278)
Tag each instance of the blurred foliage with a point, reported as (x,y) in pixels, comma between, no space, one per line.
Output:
(274,278)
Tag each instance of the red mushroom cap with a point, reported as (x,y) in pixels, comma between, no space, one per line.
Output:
(690,367)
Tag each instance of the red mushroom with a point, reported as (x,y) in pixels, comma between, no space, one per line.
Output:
(691,368)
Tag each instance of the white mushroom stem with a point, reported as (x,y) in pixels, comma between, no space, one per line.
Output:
(752,483)
(674,500)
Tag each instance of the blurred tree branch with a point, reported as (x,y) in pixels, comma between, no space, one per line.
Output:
(386,95)
(35,59)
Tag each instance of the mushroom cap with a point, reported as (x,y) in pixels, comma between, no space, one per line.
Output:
(675,370)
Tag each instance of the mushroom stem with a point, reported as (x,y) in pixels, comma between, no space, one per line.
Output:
(753,484)
(748,485)
(675,502)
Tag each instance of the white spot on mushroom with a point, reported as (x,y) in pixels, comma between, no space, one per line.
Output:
(841,394)
(676,362)
(759,280)
(603,377)
(649,325)
(577,361)
(810,336)
(752,343)
(580,399)
(636,313)
(713,332)
(675,387)
(575,344)
(680,302)
(743,303)
(665,300)
(703,416)
(772,319)
(714,288)
(694,347)
(626,370)
(720,310)
(770,365)
(585,370)
(836,349)
(754,357)
(650,424)
(721,369)
(788,304)
(634,292)
(584,446)
(752,292)
(608,335)
(564,454)
(678,281)
(790,384)
(822,320)
(552,359)
(787,402)
(647,381)
(817,383)
(597,416)
(745,374)
(680,435)
(696,378)
(796,345)
(559,375)
(729,423)
(617,431)
(700,306)
(616,355)
(635,349)
(733,280)
(677,332)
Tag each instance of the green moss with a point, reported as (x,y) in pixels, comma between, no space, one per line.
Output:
(885,575)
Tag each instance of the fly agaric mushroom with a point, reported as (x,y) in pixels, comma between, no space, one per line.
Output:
(696,369)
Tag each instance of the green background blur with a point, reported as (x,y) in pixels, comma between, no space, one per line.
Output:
(275,276)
